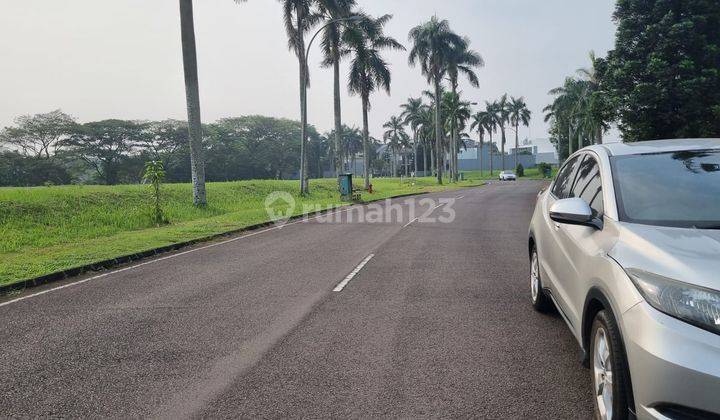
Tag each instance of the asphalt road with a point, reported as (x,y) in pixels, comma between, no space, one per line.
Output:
(437,323)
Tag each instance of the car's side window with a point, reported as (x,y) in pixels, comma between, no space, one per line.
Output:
(588,185)
(563,183)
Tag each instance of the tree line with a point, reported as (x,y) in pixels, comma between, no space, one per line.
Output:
(53,148)
(458,120)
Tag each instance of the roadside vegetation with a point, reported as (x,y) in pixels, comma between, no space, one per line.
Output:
(659,82)
(47,229)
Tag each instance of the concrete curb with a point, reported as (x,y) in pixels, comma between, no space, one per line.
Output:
(125,259)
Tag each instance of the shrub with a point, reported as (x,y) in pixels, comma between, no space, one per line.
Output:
(520,170)
(154,175)
(544,169)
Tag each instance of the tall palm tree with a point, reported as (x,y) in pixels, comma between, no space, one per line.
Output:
(492,108)
(594,110)
(368,70)
(353,143)
(480,122)
(331,45)
(411,115)
(566,110)
(192,97)
(456,112)
(299,16)
(396,137)
(462,60)
(503,117)
(433,43)
(519,114)
(426,132)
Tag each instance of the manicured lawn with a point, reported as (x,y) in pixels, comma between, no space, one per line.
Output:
(47,229)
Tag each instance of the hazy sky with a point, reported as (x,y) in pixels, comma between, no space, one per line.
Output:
(99,59)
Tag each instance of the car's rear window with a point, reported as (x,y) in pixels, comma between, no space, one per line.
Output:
(669,189)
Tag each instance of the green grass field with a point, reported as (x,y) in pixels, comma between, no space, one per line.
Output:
(48,229)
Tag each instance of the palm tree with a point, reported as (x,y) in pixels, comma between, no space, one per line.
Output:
(565,111)
(368,70)
(192,97)
(353,143)
(481,120)
(333,11)
(595,110)
(426,132)
(396,137)
(519,114)
(299,17)
(456,112)
(503,117)
(433,43)
(411,115)
(493,121)
(462,60)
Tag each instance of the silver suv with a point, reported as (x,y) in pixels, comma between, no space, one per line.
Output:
(626,245)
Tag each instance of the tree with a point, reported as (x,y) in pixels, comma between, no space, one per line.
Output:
(39,135)
(333,11)
(412,116)
(502,117)
(368,70)
(492,109)
(28,171)
(663,76)
(155,175)
(299,17)
(254,147)
(456,112)
(433,43)
(519,114)
(564,115)
(104,145)
(353,143)
(462,60)
(162,139)
(481,123)
(192,94)
(396,137)
(426,133)
(597,114)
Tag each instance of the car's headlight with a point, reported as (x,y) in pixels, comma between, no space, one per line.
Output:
(693,304)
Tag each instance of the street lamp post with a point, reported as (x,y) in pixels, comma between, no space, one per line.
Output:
(303,155)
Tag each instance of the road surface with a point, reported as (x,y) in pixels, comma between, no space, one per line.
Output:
(401,318)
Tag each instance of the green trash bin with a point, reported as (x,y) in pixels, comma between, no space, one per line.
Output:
(345,181)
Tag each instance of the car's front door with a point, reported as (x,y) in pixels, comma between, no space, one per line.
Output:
(578,246)
(553,259)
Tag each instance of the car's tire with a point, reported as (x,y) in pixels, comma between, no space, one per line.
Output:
(609,369)
(540,300)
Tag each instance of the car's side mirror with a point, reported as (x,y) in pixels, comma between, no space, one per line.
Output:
(574,211)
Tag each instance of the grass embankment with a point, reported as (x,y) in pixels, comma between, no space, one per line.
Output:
(48,229)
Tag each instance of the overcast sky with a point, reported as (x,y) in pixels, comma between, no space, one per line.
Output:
(98,59)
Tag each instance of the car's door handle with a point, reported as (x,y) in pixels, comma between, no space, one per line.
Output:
(557,226)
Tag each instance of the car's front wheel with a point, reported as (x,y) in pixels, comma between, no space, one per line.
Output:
(609,369)
(541,302)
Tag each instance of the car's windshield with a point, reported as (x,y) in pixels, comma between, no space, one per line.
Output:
(679,189)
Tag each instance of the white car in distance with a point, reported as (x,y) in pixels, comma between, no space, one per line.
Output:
(507,176)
